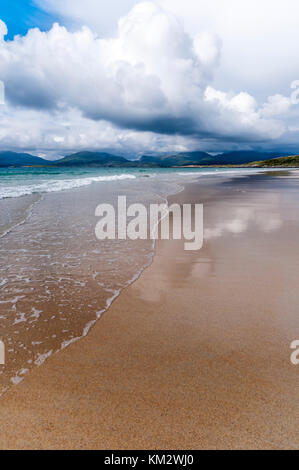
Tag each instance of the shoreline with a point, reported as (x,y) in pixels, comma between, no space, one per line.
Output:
(159,372)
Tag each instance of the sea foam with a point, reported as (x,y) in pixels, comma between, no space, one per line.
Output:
(57,185)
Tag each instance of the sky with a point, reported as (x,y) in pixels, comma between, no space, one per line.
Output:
(150,77)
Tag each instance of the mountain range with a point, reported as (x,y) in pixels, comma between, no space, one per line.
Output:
(102,159)
(19,159)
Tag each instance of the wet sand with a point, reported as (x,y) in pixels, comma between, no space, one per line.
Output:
(195,354)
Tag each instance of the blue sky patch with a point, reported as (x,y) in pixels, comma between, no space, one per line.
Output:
(21,15)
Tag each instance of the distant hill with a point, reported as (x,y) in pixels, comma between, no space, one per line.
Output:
(283,162)
(179,159)
(93,158)
(243,157)
(203,158)
(163,161)
(108,160)
(19,159)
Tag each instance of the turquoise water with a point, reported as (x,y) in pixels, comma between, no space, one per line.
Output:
(17,182)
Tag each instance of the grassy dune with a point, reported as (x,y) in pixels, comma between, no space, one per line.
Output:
(292,162)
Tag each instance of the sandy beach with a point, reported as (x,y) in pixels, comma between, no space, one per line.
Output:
(193,355)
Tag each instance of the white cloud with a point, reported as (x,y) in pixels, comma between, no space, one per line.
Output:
(55,133)
(151,79)
(276,105)
(260,40)
(132,80)
(100,15)
(208,47)
(241,103)
(3,30)
(240,110)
